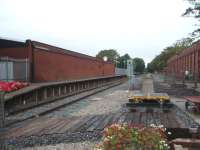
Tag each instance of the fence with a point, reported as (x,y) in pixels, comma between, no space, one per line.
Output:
(120,71)
(14,69)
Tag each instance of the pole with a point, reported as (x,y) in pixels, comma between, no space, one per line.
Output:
(2,121)
(195,80)
(6,68)
(26,63)
(183,78)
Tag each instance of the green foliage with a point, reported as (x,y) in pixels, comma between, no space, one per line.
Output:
(139,65)
(122,61)
(193,11)
(111,54)
(114,57)
(150,67)
(160,61)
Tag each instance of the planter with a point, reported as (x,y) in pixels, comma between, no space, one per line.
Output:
(130,137)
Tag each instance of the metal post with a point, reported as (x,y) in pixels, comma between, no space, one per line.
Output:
(53,91)
(6,68)
(26,63)
(70,88)
(65,89)
(45,93)
(195,80)
(183,77)
(2,109)
(59,91)
(74,90)
(2,121)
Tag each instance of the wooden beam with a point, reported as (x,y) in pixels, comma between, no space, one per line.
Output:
(190,143)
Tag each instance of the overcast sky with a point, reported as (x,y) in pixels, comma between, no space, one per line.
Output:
(141,28)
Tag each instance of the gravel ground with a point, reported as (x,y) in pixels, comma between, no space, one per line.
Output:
(79,140)
(108,101)
(67,146)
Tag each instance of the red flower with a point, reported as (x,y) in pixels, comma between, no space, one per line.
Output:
(118,146)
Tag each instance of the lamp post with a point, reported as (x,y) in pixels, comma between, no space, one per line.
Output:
(105,59)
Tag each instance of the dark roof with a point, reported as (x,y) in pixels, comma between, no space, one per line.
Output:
(6,43)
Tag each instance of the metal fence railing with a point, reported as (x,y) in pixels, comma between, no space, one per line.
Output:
(120,71)
(14,69)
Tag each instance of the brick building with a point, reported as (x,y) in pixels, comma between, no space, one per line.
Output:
(49,63)
(188,60)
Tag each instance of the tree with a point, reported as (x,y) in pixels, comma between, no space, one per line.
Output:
(122,61)
(160,61)
(193,11)
(138,65)
(149,67)
(111,54)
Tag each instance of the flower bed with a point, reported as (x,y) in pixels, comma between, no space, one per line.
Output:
(12,86)
(126,137)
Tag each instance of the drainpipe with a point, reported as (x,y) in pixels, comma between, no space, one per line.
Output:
(31,60)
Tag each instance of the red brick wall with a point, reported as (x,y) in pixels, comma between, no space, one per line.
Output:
(109,69)
(17,53)
(187,60)
(55,66)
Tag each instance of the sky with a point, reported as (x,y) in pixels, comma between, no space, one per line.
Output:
(140,28)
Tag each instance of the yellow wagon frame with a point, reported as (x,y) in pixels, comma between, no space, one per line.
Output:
(138,99)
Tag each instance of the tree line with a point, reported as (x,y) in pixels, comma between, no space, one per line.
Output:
(121,61)
(160,61)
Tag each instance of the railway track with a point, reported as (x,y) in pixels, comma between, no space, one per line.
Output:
(41,110)
(53,130)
